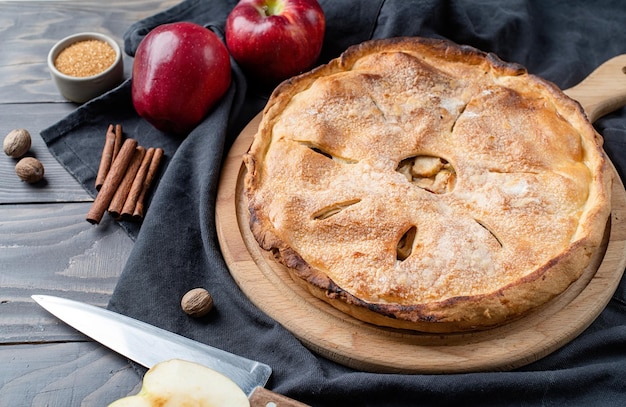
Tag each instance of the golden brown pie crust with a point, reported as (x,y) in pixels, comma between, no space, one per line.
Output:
(416,183)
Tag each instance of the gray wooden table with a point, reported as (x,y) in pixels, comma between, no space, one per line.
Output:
(46,246)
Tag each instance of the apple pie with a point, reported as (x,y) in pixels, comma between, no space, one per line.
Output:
(419,184)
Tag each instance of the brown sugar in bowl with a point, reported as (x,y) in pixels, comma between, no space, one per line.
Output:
(85,65)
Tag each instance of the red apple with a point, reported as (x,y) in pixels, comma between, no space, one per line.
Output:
(180,71)
(273,40)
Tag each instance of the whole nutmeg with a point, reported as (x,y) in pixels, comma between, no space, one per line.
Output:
(197,302)
(29,169)
(17,143)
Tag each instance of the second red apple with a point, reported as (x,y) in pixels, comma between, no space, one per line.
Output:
(181,70)
(273,40)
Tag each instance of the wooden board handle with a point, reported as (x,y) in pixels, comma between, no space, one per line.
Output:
(262,397)
(604,90)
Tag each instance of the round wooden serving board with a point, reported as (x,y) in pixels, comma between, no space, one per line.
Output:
(363,346)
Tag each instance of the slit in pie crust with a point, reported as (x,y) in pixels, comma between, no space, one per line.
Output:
(419,184)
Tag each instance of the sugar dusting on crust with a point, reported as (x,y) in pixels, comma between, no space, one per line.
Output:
(523,177)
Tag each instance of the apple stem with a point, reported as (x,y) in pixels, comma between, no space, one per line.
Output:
(272,8)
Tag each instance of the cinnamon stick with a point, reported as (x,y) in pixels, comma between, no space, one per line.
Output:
(121,195)
(107,157)
(112,181)
(137,186)
(118,140)
(138,213)
(112,145)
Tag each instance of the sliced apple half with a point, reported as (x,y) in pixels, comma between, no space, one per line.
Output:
(181,383)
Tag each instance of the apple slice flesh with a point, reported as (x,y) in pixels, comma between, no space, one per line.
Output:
(181,383)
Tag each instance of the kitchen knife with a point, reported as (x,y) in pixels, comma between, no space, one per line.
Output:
(149,345)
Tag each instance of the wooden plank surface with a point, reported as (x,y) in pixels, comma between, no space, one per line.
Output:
(29,29)
(58,185)
(51,249)
(54,374)
(46,246)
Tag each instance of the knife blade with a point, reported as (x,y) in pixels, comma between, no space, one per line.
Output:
(148,345)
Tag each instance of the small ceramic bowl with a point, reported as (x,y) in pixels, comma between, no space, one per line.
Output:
(80,89)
